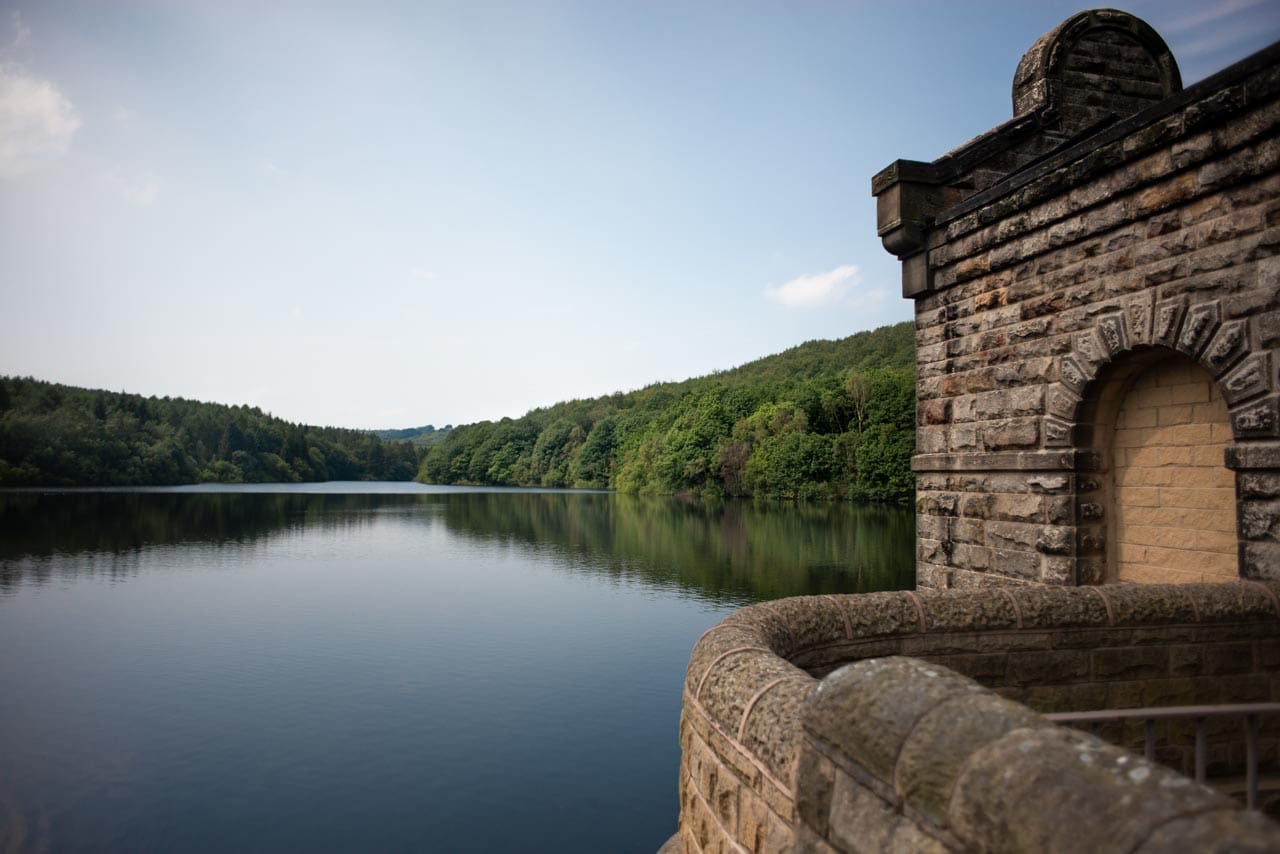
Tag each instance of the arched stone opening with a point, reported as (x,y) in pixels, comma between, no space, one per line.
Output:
(1162,502)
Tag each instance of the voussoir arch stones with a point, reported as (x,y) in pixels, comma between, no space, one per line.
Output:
(1245,376)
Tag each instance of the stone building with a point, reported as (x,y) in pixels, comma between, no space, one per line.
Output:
(1097,298)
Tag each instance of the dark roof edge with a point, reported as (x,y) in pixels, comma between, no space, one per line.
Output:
(1223,79)
(960,159)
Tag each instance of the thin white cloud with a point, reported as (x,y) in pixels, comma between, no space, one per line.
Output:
(21,34)
(37,122)
(1208,14)
(423,274)
(815,289)
(1225,36)
(141,190)
(143,195)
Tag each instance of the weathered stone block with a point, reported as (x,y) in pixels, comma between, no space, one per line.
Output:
(860,820)
(1015,641)
(942,742)
(811,621)
(771,730)
(815,780)
(734,680)
(985,668)
(1215,832)
(1131,662)
(1059,608)
(1147,604)
(956,612)
(720,640)
(1234,603)
(1074,793)
(1011,433)
(1049,667)
(866,710)
(880,614)
(809,842)
(757,828)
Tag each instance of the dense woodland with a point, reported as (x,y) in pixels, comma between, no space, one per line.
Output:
(426,435)
(56,435)
(827,419)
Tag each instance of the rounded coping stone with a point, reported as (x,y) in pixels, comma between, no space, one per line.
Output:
(967,611)
(1059,607)
(813,621)
(1149,604)
(868,709)
(767,622)
(1232,602)
(723,640)
(735,679)
(771,729)
(1058,789)
(1215,832)
(936,750)
(883,614)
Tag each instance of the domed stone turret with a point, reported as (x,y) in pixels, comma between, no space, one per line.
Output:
(1097,63)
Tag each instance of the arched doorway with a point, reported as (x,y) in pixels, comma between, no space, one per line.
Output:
(1172,498)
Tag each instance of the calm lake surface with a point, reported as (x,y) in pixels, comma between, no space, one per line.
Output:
(376,667)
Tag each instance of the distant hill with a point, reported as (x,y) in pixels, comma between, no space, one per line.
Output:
(824,419)
(58,435)
(427,435)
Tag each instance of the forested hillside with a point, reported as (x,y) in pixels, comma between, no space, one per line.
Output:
(823,420)
(56,435)
(427,435)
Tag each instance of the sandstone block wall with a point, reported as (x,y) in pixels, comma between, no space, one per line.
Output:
(1115,222)
(1174,501)
(783,750)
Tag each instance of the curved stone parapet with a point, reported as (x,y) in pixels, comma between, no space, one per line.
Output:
(806,726)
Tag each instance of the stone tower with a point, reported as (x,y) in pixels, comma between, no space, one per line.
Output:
(1097,306)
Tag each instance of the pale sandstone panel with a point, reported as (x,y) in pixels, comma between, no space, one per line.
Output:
(1174,499)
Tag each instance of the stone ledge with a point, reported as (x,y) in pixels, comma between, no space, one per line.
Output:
(1004,461)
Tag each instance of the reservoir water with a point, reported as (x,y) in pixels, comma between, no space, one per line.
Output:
(376,667)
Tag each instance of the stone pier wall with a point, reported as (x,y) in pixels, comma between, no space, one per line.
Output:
(786,748)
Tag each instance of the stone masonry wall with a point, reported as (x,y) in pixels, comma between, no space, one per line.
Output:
(785,748)
(1040,295)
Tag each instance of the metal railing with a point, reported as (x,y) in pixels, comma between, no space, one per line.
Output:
(1251,712)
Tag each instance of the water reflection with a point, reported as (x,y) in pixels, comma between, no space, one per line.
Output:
(734,550)
(347,672)
(727,551)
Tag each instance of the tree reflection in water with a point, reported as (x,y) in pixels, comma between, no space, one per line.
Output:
(735,551)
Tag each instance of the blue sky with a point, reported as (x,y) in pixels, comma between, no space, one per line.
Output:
(389,214)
